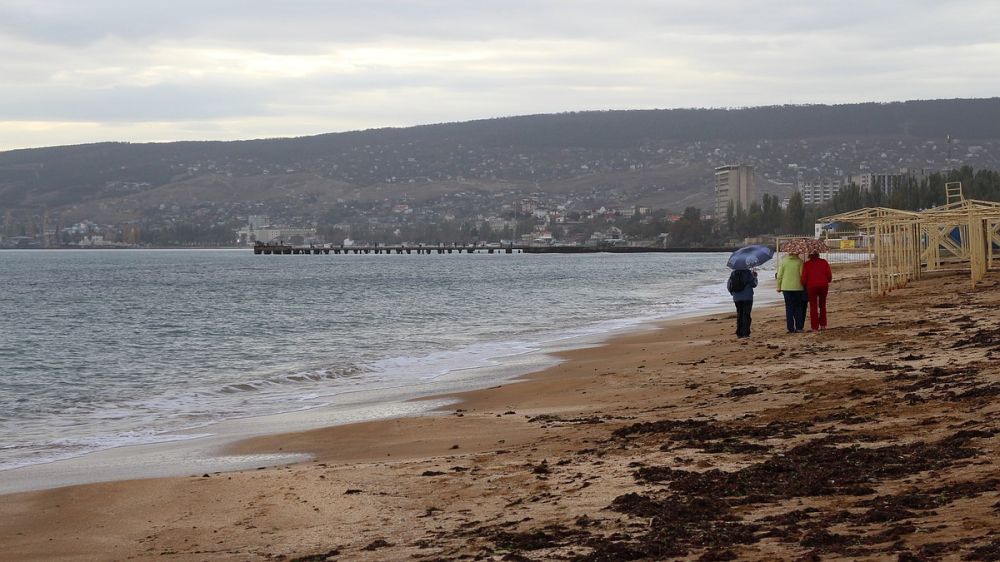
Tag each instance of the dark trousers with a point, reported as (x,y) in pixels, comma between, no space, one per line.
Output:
(795,310)
(817,307)
(743,318)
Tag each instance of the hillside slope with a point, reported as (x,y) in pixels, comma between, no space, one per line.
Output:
(662,158)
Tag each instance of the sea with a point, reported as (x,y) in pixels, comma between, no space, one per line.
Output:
(113,361)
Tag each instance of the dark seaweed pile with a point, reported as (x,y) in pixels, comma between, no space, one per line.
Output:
(704,513)
(708,513)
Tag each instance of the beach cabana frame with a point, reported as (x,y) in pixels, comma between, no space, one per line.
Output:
(963,234)
(892,240)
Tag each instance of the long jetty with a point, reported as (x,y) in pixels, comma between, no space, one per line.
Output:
(274,249)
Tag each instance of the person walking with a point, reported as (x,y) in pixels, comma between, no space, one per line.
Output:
(790,286)
(741,284)
(816,278)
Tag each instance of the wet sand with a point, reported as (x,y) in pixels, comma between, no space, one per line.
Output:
(875,439)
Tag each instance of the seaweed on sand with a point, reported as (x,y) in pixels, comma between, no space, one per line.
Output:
(898,506)
(696,513)
(677,524)
(715,436)
(815,469)
(982,338)
(988,551)
(550,536)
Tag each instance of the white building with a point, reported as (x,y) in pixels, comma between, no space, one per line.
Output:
(275,234)
(819,191)
(869,181)
(734,184)
(498,224)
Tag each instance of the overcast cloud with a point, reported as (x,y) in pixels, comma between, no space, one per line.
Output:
(74,71)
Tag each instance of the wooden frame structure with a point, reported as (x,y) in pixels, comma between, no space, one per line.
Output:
(963,234)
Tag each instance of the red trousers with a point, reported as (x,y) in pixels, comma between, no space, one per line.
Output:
(817,306)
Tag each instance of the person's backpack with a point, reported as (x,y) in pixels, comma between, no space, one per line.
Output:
(737,281)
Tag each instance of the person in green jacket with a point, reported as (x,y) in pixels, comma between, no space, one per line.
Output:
(790,286)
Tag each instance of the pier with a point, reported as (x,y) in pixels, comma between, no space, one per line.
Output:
(276,249)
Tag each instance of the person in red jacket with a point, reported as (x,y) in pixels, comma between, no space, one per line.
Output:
(816,278)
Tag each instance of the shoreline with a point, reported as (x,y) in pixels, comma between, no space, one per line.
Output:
(620,451)
(475,399)
(207,447)
(284,383)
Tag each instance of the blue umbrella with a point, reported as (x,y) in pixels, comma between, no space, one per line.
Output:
(750,256)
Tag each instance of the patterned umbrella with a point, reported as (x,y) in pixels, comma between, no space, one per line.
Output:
(805,246)
(749,256)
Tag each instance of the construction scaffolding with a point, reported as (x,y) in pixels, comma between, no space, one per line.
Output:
(961,235)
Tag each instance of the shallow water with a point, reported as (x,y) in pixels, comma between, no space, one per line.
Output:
(101,349)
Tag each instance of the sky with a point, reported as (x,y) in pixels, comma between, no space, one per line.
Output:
(79,71)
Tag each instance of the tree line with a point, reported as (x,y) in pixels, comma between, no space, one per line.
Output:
(767,217)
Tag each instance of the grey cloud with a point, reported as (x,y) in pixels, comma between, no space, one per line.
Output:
(626,54)
(294,23)
(161,102)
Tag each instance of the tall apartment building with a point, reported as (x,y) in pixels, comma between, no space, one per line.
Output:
(733,183)
(819,191)
(869,181)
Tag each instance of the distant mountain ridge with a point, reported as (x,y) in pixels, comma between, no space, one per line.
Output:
(659,157)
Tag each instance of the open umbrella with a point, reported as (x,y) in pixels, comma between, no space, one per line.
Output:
(749,256)
(795,246)
(804,246)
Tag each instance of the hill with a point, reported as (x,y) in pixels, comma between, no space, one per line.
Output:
(659,158)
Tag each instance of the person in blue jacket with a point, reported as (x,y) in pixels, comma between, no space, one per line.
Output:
(741,284)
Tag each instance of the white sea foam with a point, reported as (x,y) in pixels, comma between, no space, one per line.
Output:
(67,448)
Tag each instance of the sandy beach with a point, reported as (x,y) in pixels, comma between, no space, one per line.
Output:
(873,440)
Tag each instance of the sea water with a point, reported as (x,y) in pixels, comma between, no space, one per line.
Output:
(103,349)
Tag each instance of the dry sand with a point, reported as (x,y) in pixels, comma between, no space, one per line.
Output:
(875,439)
